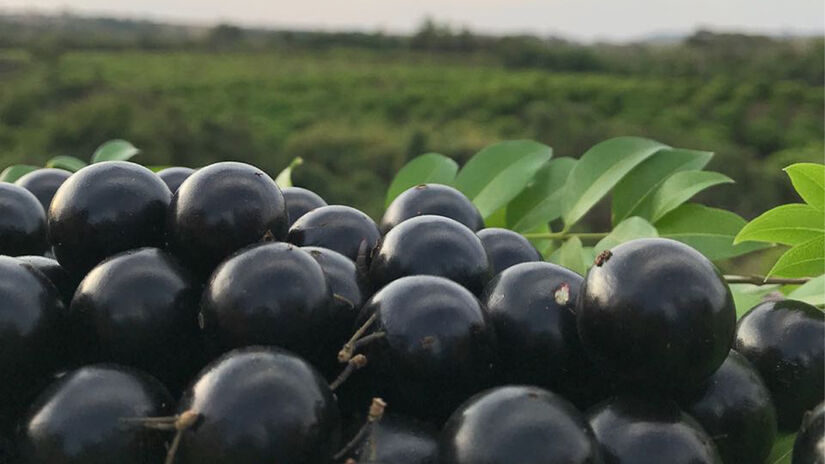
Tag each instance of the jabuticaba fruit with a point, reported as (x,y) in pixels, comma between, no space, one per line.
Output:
(43,183)
(174,176)
(22,222)
(809,447)
(106,208)
(506,248)
(656,315)
(339,228)
(300,201)
(434,199)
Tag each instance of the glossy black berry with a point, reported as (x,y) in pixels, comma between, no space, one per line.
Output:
(809,447)
(140,308)
(438,347)
(43,183)
(57,275)
(785,342)
(649,431)
(656,314)
(506,248)
(260,405)
(517,424)
(339,228)
(434,199)
(174,176)
(87,416)
(300,201)
(735,409)
(269,294)
(398,440)
(222,208)
(31,315)
(22,222)
(103,209)
(431,245)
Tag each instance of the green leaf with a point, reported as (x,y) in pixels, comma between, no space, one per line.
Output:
(545,246)
(571,255)
(787,224)
(809,181)
(158,168)
(782,449)
(633,195)
(14,172)
(499,172)
(542,200)
(680,187)
(812,292)
(284,178)
(629,229)
(803,260)
(746,296)
(114,150)
(497,219)
(429,168)
(69,163)
(709,230)
(600,169)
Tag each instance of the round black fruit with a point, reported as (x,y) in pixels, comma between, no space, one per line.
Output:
(398,440)
(656,314)
(43,183)
(22,222)
(140,308)
(506,248)
(269,294)
(339,228)
(431,245)
(174,176)
(434,199)
(259,405)
(57,275)
(809,447)
(649,431)
(91,416)
(222,208)
(434,346)
(518,424)
(785,342)
(103,209)
(300,201)
(31,315)
(735,409)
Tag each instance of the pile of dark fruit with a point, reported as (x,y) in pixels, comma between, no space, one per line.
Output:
(211,317)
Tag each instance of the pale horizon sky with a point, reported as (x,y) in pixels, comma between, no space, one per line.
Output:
(586,20)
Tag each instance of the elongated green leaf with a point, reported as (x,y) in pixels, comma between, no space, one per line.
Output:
(429,168)
(631,228)
(498,173)
(571,255)
(803,260)
(497,219)
(541,201)
(158,168)
(545,246)
(787,224)
(633,195)
(782,449)
(709,230)
(600,169)
(69,163)
(812,292)
(746,296)
(114,150)
(284,178)
(14,172)
(680,187)
(809,181)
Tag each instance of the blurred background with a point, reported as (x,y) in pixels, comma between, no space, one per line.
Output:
(356,88)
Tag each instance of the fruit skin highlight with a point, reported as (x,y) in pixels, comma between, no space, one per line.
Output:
(22,222)
(785,342)
(104,209)
(43,183)
(518,424)
(506,248)
(809,447)
(222,208)
(656,315)
(258,405)
(300,201)
(339,228)
(735,409)
(432,199)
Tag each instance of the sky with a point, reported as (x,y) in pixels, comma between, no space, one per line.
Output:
(585,20)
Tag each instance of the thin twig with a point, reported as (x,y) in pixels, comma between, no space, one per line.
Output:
(762,280)
(349,348)
(357,362)
(376,412)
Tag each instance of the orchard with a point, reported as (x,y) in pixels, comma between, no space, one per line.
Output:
(219,315)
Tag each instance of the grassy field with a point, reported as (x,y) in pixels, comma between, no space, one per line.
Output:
(356,115)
